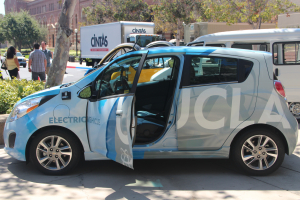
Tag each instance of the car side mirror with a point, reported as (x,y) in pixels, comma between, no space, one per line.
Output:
(85,93)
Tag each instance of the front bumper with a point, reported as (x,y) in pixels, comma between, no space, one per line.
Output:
(23,128)
(23,63)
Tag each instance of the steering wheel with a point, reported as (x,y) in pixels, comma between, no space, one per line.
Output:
(123,83)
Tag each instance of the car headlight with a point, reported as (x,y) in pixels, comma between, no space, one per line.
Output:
(24,108)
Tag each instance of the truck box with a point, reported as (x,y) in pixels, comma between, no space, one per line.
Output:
(97,40)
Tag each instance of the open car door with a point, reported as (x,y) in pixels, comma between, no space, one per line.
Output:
(111,117)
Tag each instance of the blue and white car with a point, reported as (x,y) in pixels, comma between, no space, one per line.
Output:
(199,110)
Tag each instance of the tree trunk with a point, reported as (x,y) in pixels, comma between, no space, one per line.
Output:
(61,52)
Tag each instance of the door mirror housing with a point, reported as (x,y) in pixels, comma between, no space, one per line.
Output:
(85,93)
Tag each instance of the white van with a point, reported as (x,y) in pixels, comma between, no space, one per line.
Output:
(284,44)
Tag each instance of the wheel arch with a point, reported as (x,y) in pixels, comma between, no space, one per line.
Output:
(263,126)
(27,154)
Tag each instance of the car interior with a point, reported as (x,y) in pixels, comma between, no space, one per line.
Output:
(154,98)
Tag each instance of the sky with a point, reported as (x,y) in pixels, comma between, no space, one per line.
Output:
(2,11)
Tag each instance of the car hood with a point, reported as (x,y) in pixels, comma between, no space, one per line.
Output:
(21,57)
(46,92)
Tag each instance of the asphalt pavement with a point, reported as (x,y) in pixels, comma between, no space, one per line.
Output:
(151,179)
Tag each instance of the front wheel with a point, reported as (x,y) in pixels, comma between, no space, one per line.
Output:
(258,152)
(55,152)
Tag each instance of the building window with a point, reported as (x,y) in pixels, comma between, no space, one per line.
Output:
(51,6)
(76,20)
(60,4)
(44,9)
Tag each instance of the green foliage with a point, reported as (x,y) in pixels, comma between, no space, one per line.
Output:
(2,38)
(116,10)
(86,93)
(169,15)
(253,12)
(14,90)
(21,29)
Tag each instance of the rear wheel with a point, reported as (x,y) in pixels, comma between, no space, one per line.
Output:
(55,152)
(258,152)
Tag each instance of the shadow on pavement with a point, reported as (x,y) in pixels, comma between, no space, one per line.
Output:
(179,174)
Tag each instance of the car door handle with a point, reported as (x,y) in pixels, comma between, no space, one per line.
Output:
(119,112)
(276,72)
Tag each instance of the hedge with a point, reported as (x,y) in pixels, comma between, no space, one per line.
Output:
(11,91)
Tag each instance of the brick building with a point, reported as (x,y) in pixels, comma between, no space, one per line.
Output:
(47,12)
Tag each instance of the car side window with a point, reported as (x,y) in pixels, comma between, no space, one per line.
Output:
(158,69)
(211,70)
(205,70)
(286,53)
(118,77)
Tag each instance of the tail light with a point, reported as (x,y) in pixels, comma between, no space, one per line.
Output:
(279,88)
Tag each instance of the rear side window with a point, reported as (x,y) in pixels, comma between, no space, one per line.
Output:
(256,46)
(211,70)
(286,53)
(215,45)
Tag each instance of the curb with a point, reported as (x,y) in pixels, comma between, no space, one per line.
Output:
(2,123)
(78,67)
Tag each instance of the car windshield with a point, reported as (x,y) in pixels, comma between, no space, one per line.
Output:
(19,54)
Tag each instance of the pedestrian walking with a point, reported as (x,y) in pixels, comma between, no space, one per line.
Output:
(12,62)
(48,55)
(37,64)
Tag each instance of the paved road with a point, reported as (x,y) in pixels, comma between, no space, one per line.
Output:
(151,179)
(73,73)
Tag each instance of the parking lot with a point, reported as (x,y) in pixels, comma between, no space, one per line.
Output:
(151,179)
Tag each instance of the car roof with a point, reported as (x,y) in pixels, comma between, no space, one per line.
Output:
(196,50)
(249,35)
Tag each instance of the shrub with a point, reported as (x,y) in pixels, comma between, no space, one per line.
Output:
(11,91)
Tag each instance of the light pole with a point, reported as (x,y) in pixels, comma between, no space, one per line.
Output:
(76,39)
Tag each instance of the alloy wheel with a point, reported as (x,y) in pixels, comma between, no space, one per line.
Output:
(259,152)
(54,152)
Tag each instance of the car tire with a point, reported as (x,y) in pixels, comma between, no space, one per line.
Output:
(258,152)
(55,152)
(24,66)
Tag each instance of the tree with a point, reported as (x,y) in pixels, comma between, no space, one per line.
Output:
(253,12)
(2,38)
(61,52)
(116,10)
(20,28)
(169,15)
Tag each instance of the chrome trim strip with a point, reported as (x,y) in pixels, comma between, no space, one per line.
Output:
(220,83)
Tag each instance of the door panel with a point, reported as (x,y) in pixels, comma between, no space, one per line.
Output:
(207,113)
(109,126)
(111,120)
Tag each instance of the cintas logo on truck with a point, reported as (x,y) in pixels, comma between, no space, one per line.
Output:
(99,41)
(141,30)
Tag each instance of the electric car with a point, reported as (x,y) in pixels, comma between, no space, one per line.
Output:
(205,102)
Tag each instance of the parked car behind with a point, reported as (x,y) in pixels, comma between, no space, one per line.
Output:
(21,59)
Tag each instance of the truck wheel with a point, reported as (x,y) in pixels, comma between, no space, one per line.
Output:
(55,152)
(258,152)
